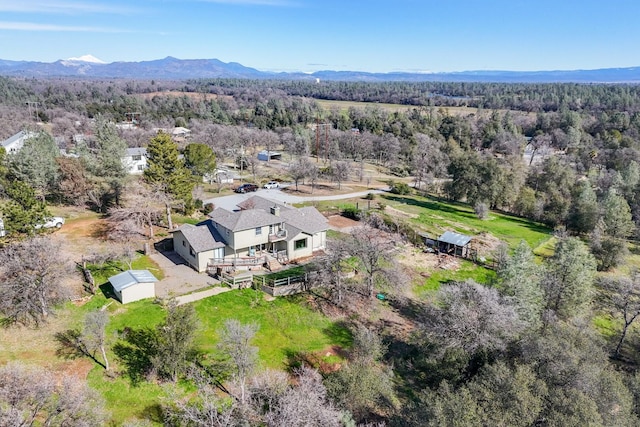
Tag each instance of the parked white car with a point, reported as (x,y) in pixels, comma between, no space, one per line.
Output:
(52,222)
(272,184)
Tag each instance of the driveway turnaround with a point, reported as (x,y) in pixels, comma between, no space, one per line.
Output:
(230,202)
(179,278)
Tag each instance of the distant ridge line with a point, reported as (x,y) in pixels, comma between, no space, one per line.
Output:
(171,68)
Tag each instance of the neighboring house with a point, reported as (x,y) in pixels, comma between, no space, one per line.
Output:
(134,285)
(2,231)
(262,228)
(16,142)
(219,176)
(180,132)
(135,160)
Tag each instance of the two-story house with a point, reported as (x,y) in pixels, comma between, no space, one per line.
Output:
(135,160)
(263,229)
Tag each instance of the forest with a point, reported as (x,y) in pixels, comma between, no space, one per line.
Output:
(547,340)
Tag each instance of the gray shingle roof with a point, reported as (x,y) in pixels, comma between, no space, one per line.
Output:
(306,219)
(258,202)
(131,277)
(202,237)
(243,220)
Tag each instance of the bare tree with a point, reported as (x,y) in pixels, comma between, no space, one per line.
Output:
(471,317)
(30,280)
(304,405)
(340,172)
(299,170)
(235,344)
(141,207)
(623,297)
(33,396)
(372,247)
(94,334)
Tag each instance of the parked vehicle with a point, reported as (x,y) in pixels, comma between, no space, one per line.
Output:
(52,222)
(247,188)
(272,184)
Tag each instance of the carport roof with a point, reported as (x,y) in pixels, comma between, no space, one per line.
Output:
(131,277)
(454,238)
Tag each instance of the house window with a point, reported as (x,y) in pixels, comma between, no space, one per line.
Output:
(140,167)
(184,244)
(137,158)
(258,231)
(192,252)
(300,244)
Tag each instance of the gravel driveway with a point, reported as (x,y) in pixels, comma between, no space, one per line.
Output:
(230,202)
(179,278)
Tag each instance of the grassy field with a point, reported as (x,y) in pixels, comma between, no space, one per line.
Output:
(436,216)
(390,108)
(467,270)
(287,328)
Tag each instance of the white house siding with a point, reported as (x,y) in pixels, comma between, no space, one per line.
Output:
(319,240)
(137,292)
(294,253)
(182,248)
(202,261)
(242,240)
(135,167)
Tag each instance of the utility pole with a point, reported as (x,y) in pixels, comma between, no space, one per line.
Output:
(320,126)
(35,104)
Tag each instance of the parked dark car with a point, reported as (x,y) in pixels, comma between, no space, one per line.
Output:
(247,188)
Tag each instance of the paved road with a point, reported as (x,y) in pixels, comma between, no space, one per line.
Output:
(230,202)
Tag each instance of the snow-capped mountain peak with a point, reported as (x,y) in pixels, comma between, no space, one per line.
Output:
(86,58)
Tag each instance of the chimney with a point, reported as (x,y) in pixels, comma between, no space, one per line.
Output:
(275,210)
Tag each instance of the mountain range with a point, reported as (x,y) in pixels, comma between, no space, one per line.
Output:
(89,66)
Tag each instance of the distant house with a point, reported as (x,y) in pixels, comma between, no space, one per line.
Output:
(2,230)
(266,156)
(16,142)
(135,160)
(133,285)
(263,229)
(180,132)
(219,176)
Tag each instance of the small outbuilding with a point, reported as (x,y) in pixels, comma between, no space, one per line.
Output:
(266,156)
(455,244)
(134,285)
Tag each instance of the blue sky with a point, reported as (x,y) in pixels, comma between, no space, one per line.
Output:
(311,35)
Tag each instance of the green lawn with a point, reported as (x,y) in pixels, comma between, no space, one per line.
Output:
(467,270)
(286,326)
(436,216)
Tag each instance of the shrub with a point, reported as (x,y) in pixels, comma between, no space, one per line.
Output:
(351,212)
(399,188)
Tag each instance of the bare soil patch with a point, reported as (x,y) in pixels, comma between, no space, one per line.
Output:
(341,223)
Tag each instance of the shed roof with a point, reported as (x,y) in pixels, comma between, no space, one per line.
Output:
(454,238)
(131,277)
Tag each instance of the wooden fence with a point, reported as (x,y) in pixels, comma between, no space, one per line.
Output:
(236,281)
(284,286)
